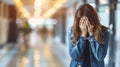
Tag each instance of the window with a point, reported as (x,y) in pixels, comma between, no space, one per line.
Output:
(104,15)
(91,1)
(118,21)
(104,1)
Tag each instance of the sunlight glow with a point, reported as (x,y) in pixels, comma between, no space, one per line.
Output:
(37,6)
(21,9)
(57,5)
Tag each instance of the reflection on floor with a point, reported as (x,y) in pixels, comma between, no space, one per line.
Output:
(36,55)
(6,57)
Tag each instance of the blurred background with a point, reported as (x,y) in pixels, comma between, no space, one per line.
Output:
(33,32)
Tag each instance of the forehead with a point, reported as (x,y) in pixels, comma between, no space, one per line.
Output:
(84,17)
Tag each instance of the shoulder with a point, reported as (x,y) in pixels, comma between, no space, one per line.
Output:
(106,33)
(105,30)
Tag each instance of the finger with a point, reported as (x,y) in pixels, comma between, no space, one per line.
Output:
(84,22)
(88,23)
(90,26)
(81,20)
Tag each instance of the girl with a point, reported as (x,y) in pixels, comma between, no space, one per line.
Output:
(87,39)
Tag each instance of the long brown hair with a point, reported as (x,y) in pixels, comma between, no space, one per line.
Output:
(88,11)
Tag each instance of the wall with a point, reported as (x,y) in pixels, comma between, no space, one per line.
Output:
(3,23)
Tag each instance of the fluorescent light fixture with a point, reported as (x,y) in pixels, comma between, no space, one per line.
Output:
(34,22)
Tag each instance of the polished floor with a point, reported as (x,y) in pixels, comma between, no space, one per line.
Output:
(38,54)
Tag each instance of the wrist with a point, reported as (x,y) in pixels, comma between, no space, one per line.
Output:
(90,34)
(84,35)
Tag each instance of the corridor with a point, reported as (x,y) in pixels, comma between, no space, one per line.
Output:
(34,33)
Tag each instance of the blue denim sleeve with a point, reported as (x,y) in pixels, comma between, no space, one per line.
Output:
(75,50)
(98,50)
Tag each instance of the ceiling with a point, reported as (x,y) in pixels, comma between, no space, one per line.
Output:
(47,8)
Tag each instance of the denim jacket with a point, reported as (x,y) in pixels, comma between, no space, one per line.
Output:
(97,51)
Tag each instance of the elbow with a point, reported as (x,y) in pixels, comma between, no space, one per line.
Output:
(73,55)
(100,57)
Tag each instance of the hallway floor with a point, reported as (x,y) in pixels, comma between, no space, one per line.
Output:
(38,54)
